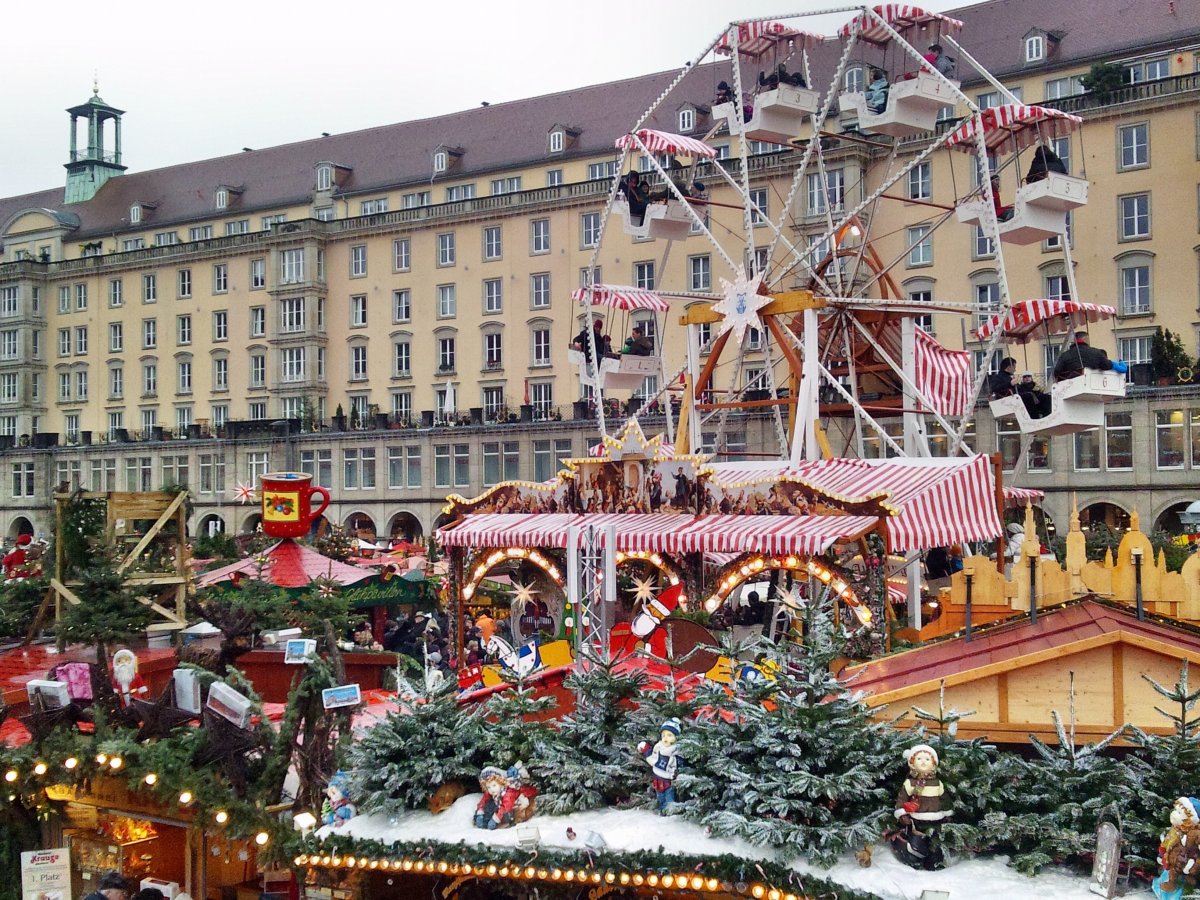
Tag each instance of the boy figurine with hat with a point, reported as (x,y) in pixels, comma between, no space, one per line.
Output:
(663,760)
(1178,850)
(919,810)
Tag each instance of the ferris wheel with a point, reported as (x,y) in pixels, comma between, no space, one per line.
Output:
(802,315)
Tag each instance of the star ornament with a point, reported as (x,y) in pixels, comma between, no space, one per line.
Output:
(524,593)
(643,588)
(244,493)
(159,717)
(740,304)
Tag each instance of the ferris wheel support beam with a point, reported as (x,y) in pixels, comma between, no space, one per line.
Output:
(915,442)
(988,76)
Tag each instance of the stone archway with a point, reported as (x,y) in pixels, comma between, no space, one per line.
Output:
(1104,513)
(19,526)
(251,522)
(405,526)
(362,526)
(210,526)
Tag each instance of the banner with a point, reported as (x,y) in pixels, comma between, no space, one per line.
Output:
(46,875)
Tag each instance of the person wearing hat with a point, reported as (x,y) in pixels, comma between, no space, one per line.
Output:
(1079,356)
(112,886)
(919,811)
(14,560)
(1178,850)
(1036,400)
(1000,384)
(663,761)
(602,341)
(638,344)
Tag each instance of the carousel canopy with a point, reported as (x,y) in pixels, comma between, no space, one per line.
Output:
(946,376)
(1012,127)
(665,142)
(912,22)
(1026,319)
(663,533)
(290,565)
(619,296)
(757,39)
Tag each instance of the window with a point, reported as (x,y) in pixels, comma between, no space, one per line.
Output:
(241,226)
(446,354)
(116,382)
(920,246)
(358,363)
(509,185)
(258,274)
(401,358)
(81,341)
(324,213)
(64,385)
(1168,438)
(22,479)
(459,192)
(491,242)
(184,385)
(81,298)
(116,339)
(1195,433)
(493,296)
(200,232)
(540,236)
(493,350)
(982,246)
(416,199)
(1087,451)
(133,244)
(401,306)
(1134,144)
(292,360)
(554,177)
(987,300)
(1148,70)
(212,473)
(589,229)
(1035,48)
(759,213)
(447,301)
(539,288)
(1057,88)
(220,374)
(358,260)
(493,403)
(258,370)
(412,465)
(269,222)
(922,295)
(166,239)
(150,287)
(324,182)
(293,315)
(602,170)
(687,120)
(1135,216)
(446,253)
(258,321)
(135,214)
(699,273)
(1135,349)
(10,301)
(220,278)
(541,395)
(1118,441)
(920,181)
(64,342)
(988,99)
(256,410)
(826,193)
(8,387)
(401,254)
(291,265)
(541,346)
(149,379)
(1135,288)
(221,325)
(370,207)
(183,330)
(358,311)
(441,466)
(1057,287)
(853,80)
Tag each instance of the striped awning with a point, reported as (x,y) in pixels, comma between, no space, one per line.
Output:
(1012,127)
(665,142)
(618,296)
(664,532)
(912,22)
(939,501)
(1032,318)
(756,39)
(944,376)
(1015,497)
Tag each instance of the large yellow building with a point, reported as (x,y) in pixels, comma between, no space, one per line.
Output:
(160,327)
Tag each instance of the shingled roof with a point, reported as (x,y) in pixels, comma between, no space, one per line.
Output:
(509,135)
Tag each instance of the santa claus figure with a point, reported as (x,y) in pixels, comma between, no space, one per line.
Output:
(15,560)
(126,681)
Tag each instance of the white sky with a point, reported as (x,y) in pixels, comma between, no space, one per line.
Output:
(207,80)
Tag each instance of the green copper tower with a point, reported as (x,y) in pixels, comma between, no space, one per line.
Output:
(89,168)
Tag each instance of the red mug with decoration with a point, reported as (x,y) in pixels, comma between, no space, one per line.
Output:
(287,504)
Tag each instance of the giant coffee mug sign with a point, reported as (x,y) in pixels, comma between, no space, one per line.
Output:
(46,875)
(287,504)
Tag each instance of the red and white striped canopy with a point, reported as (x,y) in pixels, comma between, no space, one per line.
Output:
(664,532)
(665,142)
(1013,127)
(1015,497)
(945,376)
(756,39)
(1022,321)
(618,296)
(940,501)
(912,22)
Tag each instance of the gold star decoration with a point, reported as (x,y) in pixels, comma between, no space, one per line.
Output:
(643,588)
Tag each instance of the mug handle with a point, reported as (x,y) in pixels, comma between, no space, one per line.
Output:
(317,489)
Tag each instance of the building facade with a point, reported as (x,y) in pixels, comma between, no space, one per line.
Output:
(390,309)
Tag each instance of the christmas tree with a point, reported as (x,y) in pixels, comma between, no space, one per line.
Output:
(109,611)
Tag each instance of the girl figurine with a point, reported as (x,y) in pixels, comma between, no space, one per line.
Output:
(663,762)
(338,809)
(919,810)
(1177,852)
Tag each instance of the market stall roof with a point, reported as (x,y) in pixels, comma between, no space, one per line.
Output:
(1011,127)
(620,296)
(757,39)
(291,565)
(665,142)
(912,23)
(663,532)
(1022,321)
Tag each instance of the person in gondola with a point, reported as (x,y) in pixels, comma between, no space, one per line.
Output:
(1000,384)
(603,341)
(768,82)
(877,91)
(1036,400)
(1003,213)
(724,93)
(631,187)
(1044,161)
(940,61)
(637,344)
(1079,356)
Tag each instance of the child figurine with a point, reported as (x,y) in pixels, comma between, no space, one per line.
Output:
(919,809)
(520,797)
(663,762)
(493,781)
(1177,852)
(337,809)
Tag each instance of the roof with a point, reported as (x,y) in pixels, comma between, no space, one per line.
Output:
(1056,629)
(508,135)
(292,565)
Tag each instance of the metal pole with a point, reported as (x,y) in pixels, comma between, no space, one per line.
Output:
(1137,582)
(1033,561)
(970,574)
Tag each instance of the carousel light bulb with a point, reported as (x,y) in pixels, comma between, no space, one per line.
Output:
(101,758)
(712,884)
(261,838)
(624,878)
(668,881)
(530,871)
(300,860)
(610,877)
(185,797)
(70,763)
(543,874)
(758,891)
(491,869)
(10,776)
(595,878)
(570,875)
(711,604)
(151,778)
(406,865)
(638,879)
(39,768)
(556,874)
(652,880)
(115,763)
(221,816)
(774,894)
(697,882)
(443,866)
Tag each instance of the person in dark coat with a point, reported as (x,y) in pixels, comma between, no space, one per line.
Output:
(112,886)
(1079,356)
(1044,161)
(638,344)
(603,341)
(937,563)
(631,188)
(1036,401)
(1000,384)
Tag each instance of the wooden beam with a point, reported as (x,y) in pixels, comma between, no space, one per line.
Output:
(781,304)
(747,404)
(1118,684)
(785,347)
(65,592)
(1002,696)
(153,530)
(683,426)
(710,364)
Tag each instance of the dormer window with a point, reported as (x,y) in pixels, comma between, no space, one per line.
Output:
(222,198)
(135,214)
(324,177)
(556,141)
(687,120)
(440,162)
(1035,48)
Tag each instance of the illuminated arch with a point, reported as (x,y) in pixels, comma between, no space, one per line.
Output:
(749,566)
(663,564)
(494,558)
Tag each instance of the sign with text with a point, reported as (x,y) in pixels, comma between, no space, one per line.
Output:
(46,875)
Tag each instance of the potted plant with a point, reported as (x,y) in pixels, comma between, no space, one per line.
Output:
(339,419)
(1168,356)
(1103,80)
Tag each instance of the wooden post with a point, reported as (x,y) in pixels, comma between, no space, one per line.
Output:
(998,468)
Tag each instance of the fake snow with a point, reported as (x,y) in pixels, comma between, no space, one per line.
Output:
(977,878)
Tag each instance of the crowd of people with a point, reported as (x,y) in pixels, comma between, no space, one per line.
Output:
(423,636)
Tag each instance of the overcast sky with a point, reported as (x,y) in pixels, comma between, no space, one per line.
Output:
(207,80)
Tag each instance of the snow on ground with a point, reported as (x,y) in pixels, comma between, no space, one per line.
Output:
(981,878)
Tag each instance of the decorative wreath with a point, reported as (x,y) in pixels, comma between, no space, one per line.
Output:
(1185,374)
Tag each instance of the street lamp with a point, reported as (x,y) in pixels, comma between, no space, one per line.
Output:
(1136,553)
(969,573)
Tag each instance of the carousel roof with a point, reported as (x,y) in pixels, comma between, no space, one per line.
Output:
(665,142)
(1012,127)
(291,565)
(1022,320)
(911,22)
(757,39)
